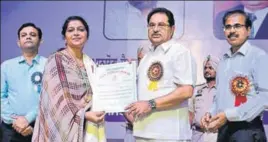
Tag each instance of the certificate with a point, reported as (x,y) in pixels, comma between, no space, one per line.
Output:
(115,87)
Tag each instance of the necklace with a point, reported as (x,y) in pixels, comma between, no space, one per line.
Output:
(80,66)
(78,62)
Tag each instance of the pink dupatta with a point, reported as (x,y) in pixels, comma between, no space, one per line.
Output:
(66,95)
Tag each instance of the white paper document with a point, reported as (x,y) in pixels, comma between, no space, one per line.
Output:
(115,87)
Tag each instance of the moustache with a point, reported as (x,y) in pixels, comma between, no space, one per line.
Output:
(232,35)
(156,34)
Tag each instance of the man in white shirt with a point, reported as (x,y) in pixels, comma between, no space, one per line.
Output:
(166,76)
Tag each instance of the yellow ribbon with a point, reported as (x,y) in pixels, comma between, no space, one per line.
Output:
(153,86)
(96,131)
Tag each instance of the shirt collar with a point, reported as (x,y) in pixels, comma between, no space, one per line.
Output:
(35,59)
(242,50)
(206,86)
(164,46)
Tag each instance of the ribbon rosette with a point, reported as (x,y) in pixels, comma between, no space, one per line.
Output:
(240,87)
(36,79)
(155,73)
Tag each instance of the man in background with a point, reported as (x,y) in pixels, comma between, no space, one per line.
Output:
(202,101)
(21,79)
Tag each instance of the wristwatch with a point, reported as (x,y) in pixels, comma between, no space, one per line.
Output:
(152,104)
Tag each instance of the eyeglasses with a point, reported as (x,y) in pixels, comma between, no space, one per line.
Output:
(235,26)
(159,25)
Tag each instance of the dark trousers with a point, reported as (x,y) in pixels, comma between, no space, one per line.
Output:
(242,132)
(10,135)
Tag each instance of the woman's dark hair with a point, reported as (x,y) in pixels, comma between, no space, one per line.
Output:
(72,18)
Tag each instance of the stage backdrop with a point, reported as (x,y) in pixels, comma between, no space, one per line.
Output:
(118,28)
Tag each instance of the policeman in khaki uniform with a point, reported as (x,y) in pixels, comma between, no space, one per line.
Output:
(202,101)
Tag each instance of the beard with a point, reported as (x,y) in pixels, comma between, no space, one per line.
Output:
(210,79)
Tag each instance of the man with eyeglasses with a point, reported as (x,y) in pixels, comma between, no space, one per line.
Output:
(166,76)
(240,81)
(202,101)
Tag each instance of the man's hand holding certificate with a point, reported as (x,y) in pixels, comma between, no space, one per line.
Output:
(114,87)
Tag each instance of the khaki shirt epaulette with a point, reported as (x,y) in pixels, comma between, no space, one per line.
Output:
(202,84)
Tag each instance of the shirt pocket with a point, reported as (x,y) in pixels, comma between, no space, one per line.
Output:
(199,102)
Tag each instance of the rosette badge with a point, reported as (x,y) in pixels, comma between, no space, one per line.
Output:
(155,73)
(36,79)
(240,86)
